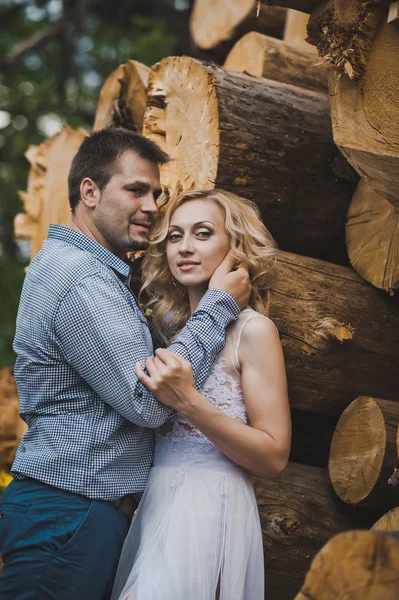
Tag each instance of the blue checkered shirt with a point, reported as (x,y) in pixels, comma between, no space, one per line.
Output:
(79,335)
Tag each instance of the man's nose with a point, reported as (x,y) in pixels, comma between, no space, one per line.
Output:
(148,204)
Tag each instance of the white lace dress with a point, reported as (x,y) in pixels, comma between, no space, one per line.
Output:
(197,524)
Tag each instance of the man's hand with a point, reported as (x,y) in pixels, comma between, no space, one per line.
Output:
(170,378)
(236,282)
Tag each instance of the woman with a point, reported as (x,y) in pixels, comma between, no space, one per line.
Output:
(196,534)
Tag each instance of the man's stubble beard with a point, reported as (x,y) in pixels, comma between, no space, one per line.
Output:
(135,244)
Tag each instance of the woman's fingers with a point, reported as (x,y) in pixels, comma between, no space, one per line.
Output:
(143,377)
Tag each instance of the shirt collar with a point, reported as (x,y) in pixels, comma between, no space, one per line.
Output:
(70,236)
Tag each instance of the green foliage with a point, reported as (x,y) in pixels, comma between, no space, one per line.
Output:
(57,82)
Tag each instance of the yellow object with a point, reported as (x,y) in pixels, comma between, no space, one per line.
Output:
(5,479)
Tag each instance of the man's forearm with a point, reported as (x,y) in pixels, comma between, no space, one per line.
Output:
(204,334)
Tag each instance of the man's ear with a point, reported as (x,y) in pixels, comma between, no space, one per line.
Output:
(89,192)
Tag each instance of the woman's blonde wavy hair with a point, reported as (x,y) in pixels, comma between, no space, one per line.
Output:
(251,243)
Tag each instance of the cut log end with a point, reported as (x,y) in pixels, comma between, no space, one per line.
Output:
(123,98)
(356,565)
(213,22)
(46,200)
(359,448)
(372,238)
(190,118)
(388,522)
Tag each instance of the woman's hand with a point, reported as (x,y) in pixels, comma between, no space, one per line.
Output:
(170,378)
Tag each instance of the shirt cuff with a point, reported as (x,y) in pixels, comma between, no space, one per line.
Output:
(221,304)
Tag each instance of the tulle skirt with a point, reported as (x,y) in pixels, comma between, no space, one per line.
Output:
(196,529)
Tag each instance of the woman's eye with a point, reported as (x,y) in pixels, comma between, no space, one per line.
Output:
(203,233)
(173,237)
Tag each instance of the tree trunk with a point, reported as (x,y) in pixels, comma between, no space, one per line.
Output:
(264,140)
(299,512)
(46,200)
(364,452)
(388,522)
(372,238)
(365,115)
(263,56)
(123,98)
(212,23)
(12,427)
(355,565)
(340,335)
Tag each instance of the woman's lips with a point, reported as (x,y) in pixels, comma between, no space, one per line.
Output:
(187,266)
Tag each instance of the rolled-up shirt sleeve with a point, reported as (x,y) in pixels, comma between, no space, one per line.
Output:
(102,337)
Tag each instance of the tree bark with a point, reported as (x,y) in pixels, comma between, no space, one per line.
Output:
(372,238)
(388,522)
(12,427)
(355,565)
(344,32)
(299,513)
(263,56)
(340,335)
(46,199)
(219,21)
(365,115)
(261,139)
(364,452)
(123,98)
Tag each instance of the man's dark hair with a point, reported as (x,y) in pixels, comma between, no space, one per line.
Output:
(98,154)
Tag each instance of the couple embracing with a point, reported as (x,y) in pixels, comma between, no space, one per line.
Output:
(131,482)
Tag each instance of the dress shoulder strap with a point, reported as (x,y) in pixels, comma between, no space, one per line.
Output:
(245,316)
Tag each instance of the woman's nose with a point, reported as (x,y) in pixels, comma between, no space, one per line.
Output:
(185,245)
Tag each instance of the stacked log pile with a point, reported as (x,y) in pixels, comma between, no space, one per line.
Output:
(46,199)
(261,139)
(261,127)
(359,43)
(299,512)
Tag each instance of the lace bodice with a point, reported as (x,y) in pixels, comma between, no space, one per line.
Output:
(223,389)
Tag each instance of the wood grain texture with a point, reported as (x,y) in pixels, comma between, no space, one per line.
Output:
(356,564)
(299,513)
(340,335)
(364,453)
(264,140)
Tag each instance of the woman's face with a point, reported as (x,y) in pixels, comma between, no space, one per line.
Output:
(197,242)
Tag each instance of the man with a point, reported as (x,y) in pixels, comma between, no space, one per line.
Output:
(89,445)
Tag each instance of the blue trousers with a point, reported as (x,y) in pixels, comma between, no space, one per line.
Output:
(57,545)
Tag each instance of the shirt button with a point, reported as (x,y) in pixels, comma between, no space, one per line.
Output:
(1,514)
(139,395)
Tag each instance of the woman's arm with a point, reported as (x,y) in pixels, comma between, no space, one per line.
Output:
(262,448)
